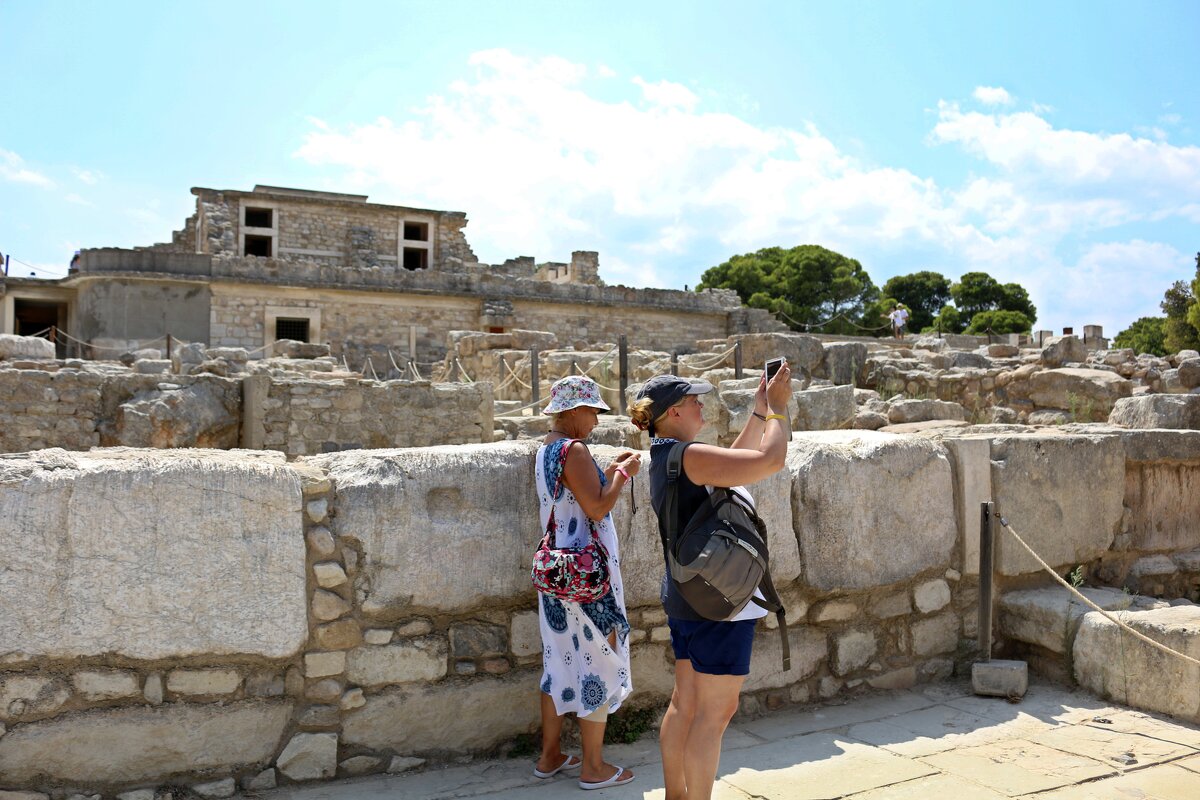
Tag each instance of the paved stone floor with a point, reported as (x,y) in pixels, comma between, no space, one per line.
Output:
(930,742)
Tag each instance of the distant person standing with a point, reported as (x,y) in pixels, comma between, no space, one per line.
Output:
(899,318)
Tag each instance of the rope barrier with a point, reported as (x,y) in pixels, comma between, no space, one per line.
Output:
(1081,596)
(604,358)
(374,376)
(721,357)
(809,326)
(395,366)
(514,374)
(462,370)
(413,367)
(138,345)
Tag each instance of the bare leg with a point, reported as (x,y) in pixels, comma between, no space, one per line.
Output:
(552,725)
(716,698)
(595,768)
(676,724)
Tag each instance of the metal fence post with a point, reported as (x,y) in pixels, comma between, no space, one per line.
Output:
(168,347)
(675,364)
(987,540)
(623,359)
(737,360)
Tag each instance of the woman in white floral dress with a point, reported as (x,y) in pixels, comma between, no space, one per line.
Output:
(585,646)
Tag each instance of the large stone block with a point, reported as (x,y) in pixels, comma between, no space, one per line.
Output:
(442,528)
(1177,411)
(1088,394)
(870,508)
(150,554)
(1114,664)
(25,347)
(123,746)
(422,659)
(1163,499)
(845,362)
(971,458)
(415,719)
(803,352)
(902,411)
(824,408)
(1049,616)
(809,650)
(1062,494)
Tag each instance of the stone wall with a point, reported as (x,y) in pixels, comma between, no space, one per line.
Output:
(203,619)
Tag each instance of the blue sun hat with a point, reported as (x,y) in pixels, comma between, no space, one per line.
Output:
(574,391)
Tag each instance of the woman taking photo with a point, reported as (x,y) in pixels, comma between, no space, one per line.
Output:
(712,659)
(585,646)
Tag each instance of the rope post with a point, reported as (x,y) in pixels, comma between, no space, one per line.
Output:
(987,541)
(534,381)
(168,347)
(623,359)
(54,334)
(574,367)
(737,360)
(675,364)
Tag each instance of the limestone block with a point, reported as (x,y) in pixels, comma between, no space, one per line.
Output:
(971,458)
(203,681)
(261,781)
(382,636)
(320,541)
(852,650)
(329,574)
(1000,678)
(824,408)
(1064,350)
(896,604)
(902,411)
(1162,484)
(135,794)
(1049,616)
(414,511)
(340,635)
(845,362)
(834,611)
(360,765)
(200,415)
(525,635)
(809,649)
(328,606)
(24,696)
(309,756)
(423,659)
(414,718)
(14,347)
(400,764)
(1115,665)
(738,399)
(477,640)
(652,667)
(1176,411)
(323,665)
(802,351)
(870,508)
(150,554)
(224,787)
(148,366)
(935,635)
(903,678)
(1153,566)
(1189,373)
(1003,351)
(932,595)
(106,685)
(1087,393)
(1062,494)
(143,744)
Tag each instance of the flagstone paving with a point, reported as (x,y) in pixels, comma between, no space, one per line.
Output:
(929,742)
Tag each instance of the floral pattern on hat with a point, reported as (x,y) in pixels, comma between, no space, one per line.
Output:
(574,391)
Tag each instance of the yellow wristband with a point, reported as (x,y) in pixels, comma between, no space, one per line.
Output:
(776,416)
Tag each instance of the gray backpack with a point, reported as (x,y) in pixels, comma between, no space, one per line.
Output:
(721,556)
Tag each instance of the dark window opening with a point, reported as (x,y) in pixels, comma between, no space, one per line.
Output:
(294,329)
(416,231)
(258,217)
(416,258)
(496,329)
(257,246)
(35,317)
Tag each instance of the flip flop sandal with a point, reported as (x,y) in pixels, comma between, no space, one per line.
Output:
(615,780)
(570,763)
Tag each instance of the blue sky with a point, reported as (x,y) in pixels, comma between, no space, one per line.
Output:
(1055,145)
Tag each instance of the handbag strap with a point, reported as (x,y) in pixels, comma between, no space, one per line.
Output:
(566,447)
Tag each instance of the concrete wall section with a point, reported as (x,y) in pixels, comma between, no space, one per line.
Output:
(131,310)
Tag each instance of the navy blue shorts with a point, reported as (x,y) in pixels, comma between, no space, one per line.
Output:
(714,648)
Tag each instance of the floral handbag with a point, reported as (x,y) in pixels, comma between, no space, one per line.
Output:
(577,574)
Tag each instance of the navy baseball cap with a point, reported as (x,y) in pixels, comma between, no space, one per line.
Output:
(665,391)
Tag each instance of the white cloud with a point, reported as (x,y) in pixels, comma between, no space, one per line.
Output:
(664,188)
(993,96)
(12,168)
(89,176)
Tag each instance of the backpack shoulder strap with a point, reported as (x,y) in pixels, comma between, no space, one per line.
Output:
(671,504)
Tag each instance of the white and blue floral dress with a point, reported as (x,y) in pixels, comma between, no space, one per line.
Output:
(580,671)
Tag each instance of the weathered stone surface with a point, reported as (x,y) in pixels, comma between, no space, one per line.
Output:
(1000,678)
(477,640)
(1176,411)
(841,537)
(737,396)
(1049,617)
(1062,494)
(824,408)
(25,696)
(309,756)
(414,719)
(340,635)
(1113,664)
(389,499)
(133,548)
(263,780)
(423,659)
(203,681)
(225,787)
(400,764)
(845,362)
(200,415)
(323,665)
(809,650)
(853,649)
(106,685)
(525,635)
(803,352)
(834,611)
(124,745)
(1087,394)
(1189,373)
(932,595)
(902,411)
(320,541)
(1153,566)
(264,683)
(896,604)
(382,636)
(360,765)
(935,635)
(653,673)
(25,347)
(328,606)
(1064,350)
(902,678)
(329,574)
